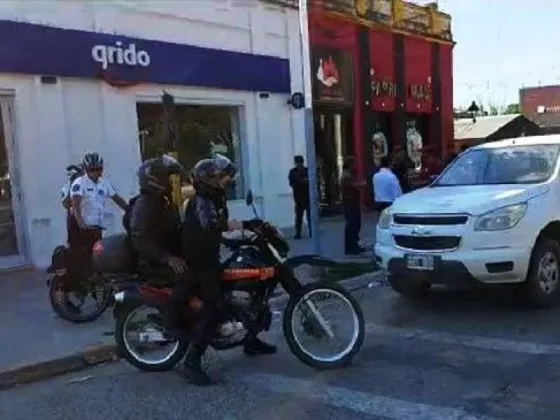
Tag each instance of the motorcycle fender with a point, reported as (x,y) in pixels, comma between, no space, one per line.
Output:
(310,259)
(122,297)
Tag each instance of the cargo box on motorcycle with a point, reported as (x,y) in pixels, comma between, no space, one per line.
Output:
(114,255)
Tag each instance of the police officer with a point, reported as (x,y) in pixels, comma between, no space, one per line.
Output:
(72,173)
(206,218)
(154,224)
(89,194)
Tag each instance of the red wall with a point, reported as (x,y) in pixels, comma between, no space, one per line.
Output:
(446,71)
(418,71)
(382,51)
(335,33)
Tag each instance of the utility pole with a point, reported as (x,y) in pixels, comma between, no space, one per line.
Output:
(309,127)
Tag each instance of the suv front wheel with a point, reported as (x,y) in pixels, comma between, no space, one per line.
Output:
(541,285)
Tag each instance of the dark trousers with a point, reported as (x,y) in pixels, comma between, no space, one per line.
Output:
(381,205)
(353,224)
(302,206)
(81,252)
(205,278)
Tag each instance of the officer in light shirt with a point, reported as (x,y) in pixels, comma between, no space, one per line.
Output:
(89,194)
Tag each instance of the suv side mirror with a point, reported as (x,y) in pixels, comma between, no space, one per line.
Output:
(249,198)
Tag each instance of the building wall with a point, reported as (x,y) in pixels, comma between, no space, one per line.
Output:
(56,124)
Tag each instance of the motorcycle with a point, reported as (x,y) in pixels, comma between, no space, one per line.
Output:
(257,265)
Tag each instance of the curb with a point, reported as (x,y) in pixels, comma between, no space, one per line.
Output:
(45,370)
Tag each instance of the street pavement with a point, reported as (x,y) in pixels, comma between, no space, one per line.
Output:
(454,355)
(36,334)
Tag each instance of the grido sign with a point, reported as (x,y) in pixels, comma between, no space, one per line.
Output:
(51,51)
(117,54)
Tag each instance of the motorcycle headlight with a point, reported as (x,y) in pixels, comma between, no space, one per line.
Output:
(501,219)
(385,219)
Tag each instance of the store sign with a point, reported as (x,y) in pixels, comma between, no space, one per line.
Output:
(116,54)
(45,50)
(419,92)
(383,88)
(332,75)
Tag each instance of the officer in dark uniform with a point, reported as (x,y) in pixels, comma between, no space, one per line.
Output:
(206,218)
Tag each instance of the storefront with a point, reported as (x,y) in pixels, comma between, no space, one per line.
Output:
(401,93)
(64,92)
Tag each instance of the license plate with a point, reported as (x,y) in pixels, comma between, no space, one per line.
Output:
(420,262)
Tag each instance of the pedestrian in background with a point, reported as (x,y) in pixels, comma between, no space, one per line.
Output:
(350,187)
(299,181)
(401,164)
(386,186)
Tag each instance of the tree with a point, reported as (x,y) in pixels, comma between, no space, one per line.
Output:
(512,109)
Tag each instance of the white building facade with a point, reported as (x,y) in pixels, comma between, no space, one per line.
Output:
(79,76)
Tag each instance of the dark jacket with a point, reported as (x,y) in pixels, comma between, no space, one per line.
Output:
(154,228)
(206,218)
(299,181)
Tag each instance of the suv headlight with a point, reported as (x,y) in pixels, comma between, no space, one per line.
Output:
(501,219)
(385,219)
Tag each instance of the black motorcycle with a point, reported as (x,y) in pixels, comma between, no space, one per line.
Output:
(257,265)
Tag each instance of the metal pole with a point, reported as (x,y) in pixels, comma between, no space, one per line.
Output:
(309,127)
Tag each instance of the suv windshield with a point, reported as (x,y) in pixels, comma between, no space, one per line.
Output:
(504,165)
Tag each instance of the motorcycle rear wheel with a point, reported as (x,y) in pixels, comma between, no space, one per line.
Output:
(62,310)
(344,357)
(124,347)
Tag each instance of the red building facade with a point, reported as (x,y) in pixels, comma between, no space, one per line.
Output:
(376,88)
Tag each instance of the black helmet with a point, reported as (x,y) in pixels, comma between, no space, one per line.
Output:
(153,174)
(92,162)
(73,172)
(208,170)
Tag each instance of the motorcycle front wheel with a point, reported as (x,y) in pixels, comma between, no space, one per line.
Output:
(314,315)
(144,343)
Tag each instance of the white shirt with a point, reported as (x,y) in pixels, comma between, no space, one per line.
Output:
(386,186)
(94,198)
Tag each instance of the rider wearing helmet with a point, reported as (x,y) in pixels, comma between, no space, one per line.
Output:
(153,223)
(206,218)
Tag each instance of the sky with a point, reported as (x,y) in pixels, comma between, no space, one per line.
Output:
(501,46)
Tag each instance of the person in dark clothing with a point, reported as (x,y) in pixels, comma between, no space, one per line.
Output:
(299,181)
(400,165)
(73,172)
(206,218)
(153,223)
(352,208)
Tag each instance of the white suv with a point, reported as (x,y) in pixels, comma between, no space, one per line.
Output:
(492,217)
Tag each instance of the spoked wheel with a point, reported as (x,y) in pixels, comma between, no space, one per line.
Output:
(80,303)
(324,326)
(141,339)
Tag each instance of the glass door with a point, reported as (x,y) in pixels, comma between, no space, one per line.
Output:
(11,239)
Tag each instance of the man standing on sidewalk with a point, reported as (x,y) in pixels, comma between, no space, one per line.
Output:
(386,186)
(299,181)
(352,207)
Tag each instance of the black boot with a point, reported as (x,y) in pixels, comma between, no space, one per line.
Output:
(193,369)
(255,347)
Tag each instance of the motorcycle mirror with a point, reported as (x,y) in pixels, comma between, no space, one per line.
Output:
(249,198)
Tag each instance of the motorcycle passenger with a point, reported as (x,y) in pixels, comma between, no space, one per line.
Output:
(154,224)
(205,219)
(89,194)
(72,173)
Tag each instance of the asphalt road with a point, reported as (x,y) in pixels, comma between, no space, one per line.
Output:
(453,356)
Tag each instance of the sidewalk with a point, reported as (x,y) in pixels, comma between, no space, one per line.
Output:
(33,334)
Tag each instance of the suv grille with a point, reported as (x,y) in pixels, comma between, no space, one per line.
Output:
(403,219)
(427,243)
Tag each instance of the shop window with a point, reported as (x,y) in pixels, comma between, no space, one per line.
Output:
(202,131)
